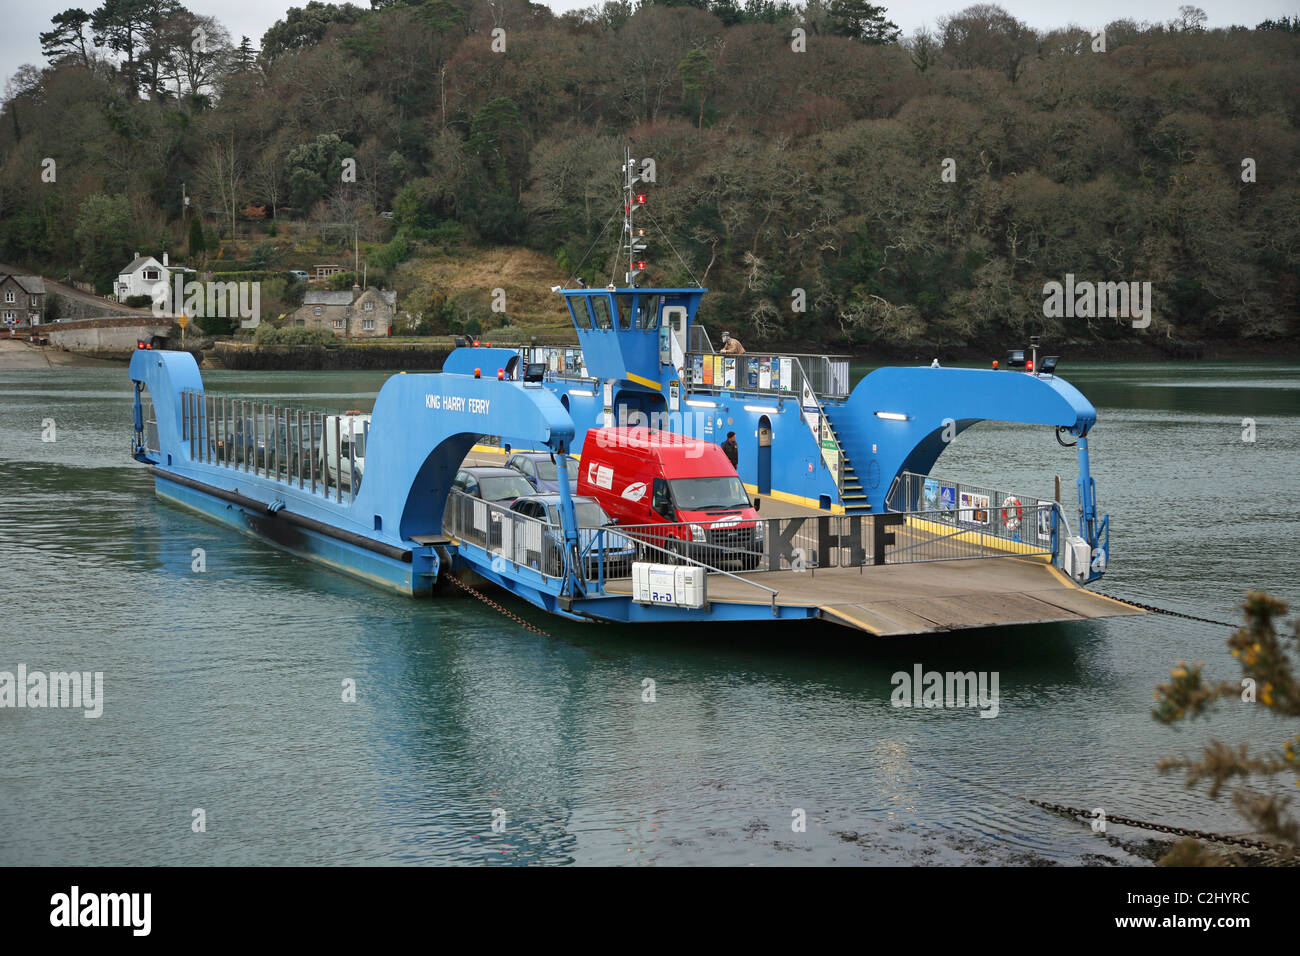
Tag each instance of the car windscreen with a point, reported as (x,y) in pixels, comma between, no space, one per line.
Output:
(590,514)
(709,494)
(500,487)
(547,471)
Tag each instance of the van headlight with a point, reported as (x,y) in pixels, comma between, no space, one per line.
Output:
(697,533)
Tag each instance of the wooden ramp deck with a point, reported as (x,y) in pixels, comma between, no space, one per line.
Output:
(896,599)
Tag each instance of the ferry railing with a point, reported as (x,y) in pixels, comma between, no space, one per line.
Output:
(827,376)
(522,540)
(811,542)
(530,542)
(998,514)
(275,442)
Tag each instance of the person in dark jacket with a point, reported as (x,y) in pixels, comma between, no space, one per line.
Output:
(730,449)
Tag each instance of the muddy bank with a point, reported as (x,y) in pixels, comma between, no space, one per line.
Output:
(16,355)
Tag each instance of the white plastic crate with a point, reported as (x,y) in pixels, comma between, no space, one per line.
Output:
(668,584)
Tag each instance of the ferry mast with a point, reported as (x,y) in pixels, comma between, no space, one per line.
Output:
(633,242)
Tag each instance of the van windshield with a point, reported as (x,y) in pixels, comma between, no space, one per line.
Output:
(709,494)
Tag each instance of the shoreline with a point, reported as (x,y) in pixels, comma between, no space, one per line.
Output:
(18,355)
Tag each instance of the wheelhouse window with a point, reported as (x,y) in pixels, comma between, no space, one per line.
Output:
(624,303)
(600,309)
(647,311)
(578,306)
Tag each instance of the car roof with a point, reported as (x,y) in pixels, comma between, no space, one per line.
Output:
(553,498)
(488,471)
(535,454)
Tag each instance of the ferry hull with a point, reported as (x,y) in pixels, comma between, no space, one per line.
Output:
(390,574)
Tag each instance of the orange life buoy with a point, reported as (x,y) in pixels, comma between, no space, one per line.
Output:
(1012,512)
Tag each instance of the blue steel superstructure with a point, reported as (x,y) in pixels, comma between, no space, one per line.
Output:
(807,439)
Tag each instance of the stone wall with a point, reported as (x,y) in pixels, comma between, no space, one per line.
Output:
(103,337)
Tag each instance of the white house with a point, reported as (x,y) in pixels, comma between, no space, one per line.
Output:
(145,272)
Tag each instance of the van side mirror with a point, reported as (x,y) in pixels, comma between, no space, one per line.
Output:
(758,504)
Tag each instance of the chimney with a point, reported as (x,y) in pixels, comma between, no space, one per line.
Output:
(164,260)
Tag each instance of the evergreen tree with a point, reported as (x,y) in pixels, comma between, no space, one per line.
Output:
(862,21)
(197,245)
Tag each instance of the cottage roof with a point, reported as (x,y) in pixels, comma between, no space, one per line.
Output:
(137,263)
(328,298)
(32,285)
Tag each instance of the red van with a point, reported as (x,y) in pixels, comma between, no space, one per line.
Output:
(684,493)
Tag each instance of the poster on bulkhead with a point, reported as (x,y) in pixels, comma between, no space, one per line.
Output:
(974,509)
(787,374)
(729,372)
(764,374)
(930,495)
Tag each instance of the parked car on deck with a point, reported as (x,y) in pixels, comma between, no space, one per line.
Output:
(540,470)
(619,550)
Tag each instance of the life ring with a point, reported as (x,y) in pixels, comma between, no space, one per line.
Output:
(1012,512)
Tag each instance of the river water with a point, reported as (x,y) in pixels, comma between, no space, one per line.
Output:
(223,688)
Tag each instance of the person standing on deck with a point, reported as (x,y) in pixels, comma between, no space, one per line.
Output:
(731,345)
(731,450)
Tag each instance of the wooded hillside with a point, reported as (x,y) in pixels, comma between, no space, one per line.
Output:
(796,148)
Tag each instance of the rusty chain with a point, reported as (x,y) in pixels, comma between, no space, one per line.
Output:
(1161,610)
(1278,848)
(495,606)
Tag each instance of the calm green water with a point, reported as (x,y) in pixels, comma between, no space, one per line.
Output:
(223,688)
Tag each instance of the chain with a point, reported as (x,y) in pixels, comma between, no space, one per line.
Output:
(1279,848)
(495,606)
(1161,610)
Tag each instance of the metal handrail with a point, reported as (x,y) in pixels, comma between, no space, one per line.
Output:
(911,485)
(831,383)
(678,558)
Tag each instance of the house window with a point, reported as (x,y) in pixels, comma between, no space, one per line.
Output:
(9,317)
(9,297)
(35,303)
(150,275)
(369,307)
(368,324)
(338,323)
(316,311)
(347,313)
